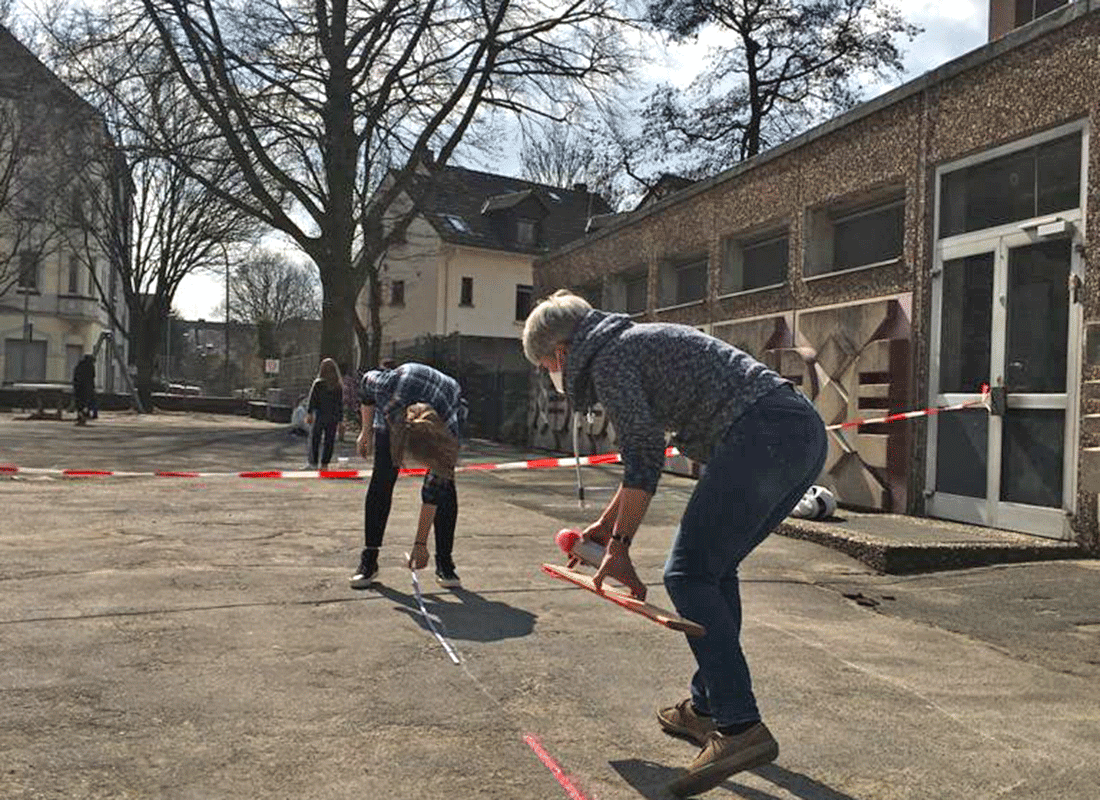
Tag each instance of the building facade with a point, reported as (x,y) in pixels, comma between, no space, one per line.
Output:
(58,288)
(464,268)
(936,239)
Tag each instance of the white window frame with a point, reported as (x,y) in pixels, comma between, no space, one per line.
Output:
(1081,126)
(964,244)
(677,266)
(631,277)
(530,299)
(532,226)
(866,212)
(826,213)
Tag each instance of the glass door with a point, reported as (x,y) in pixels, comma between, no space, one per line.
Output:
(1004,315)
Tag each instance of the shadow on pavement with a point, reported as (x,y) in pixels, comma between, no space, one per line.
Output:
(462,614)
(649,779)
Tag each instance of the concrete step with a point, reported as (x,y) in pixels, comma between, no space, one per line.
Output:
(898,545)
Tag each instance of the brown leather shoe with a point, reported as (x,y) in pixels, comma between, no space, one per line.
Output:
(681,720)
(723,756)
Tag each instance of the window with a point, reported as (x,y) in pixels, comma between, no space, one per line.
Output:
(682,282)
(397,293)
(592,292)
(28,269)
(754,264)
(466,298)
(458,223)
(525,232)
(77,211)
(636,291)
(1028,183)
(1027,10)
(691,282)
(523,301)
(74,274)
(626,292)
(24,361)
(868,237)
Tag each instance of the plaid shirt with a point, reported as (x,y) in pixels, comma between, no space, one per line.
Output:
(396,389)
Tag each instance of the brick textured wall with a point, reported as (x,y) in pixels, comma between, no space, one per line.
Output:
(1030,81)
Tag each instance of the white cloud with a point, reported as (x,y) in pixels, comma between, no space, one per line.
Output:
(950,29)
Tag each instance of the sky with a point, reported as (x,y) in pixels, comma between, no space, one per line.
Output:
(950,30)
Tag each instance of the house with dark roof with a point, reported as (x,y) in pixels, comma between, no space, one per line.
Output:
(464,266)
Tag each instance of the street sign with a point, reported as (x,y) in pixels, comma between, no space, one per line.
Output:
(271,366)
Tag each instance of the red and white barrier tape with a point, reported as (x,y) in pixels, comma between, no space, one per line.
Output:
(324,474)
(981,402)
(537,463)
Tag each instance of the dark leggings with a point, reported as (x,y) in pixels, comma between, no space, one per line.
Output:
(380,498)
(326,429)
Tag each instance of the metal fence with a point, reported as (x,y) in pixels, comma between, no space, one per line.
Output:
(494,376)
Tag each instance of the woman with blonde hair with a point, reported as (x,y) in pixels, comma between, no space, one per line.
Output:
(323,410)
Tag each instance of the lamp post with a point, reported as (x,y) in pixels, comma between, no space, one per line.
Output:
(225,365)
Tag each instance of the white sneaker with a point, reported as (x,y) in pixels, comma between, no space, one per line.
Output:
(365,577)
(447,577)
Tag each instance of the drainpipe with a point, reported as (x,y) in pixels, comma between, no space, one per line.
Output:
(446,284)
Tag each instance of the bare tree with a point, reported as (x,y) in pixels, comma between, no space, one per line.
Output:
(787,65)
(566,154)
(267,290)
(146,215)
(319,101)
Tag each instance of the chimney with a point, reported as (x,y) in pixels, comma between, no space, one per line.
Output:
(580,187)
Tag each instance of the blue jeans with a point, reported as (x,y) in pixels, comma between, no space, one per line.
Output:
(765,463)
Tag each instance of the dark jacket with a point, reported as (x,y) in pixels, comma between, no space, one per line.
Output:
(655,377)
(328,404)
(84,377)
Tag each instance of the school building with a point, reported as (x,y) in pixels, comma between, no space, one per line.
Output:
(940,237)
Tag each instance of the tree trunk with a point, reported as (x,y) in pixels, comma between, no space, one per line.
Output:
(338,313)
(146,346)
(375,301)
(364,339)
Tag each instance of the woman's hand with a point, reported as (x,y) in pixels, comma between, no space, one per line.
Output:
(363,442)
(419,557)
(617,564)
(598,532)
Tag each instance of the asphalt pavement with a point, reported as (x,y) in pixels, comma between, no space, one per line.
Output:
(196,638)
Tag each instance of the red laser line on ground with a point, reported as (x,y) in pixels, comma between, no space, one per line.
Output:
(555,769)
